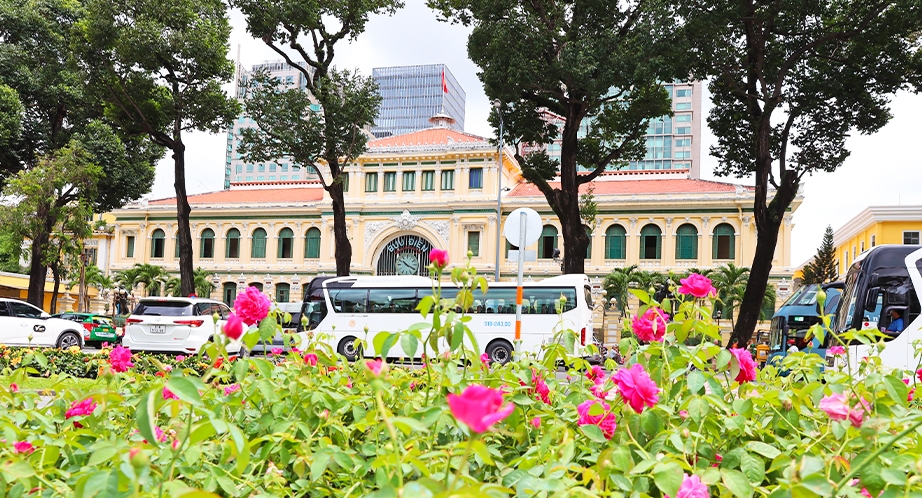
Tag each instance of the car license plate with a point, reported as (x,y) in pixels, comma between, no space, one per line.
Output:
(107,335)
(158,329)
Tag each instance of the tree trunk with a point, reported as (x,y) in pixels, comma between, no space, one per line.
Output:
(343,252)
(574,236)
(37,273)
(186,277)
(57,287)
(575,240)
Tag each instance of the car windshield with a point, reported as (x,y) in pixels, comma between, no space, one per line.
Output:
(163,308)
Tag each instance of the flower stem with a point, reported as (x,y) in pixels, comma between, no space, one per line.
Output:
(464,464)
(391,431)
(857,468)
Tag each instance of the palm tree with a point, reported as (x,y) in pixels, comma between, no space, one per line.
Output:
(646,280)
(172,287)
(203,283)
(94,276)
(730,281)
(617,283)
(153,277)
(768,303)
(127,277)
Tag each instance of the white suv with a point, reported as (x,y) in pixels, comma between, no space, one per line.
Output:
(22,324)
(176,324)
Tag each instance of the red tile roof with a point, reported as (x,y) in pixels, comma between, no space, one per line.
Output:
(430,136)
(630,187)
(255,195)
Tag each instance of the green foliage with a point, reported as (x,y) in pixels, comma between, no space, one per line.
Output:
(824,268)
(11,111)
(789,82)
(730,281)
(51,362)
(598,65)
(616,285)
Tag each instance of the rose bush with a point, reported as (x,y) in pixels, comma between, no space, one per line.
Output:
(679,420)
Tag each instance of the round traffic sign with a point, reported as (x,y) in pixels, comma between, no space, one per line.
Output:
(513,227)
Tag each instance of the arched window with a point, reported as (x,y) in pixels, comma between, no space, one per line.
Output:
(229,293)
(615,246)
(176,245)
(286,244)
(686,242)
(258,249)
(232,244)
(548,242)
(207,246)
(312,243)
(588,247)
(650,242)
(282,293)
(157,243)
(724,244)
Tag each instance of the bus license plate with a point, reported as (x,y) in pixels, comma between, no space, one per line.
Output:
(158,329)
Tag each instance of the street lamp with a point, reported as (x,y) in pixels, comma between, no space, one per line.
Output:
(497,104)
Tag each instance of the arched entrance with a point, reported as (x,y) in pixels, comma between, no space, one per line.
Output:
(406,254)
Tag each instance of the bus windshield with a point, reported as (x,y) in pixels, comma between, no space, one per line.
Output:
(850,294)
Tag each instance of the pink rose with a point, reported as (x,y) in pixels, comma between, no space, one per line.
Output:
(167,394)
(81,408)
(837,407)
(251,306)
(683,414)
(484,359)
(310,359)
(605,421)
(539,387)
(439,258)
(692,487)
(233,327)
(747,366)
(536,422)
(919,374)
(837,350)
(14,388)
(651,326)
(120,359)
(697,285)
(912,391)
(276,351)
(180,358)
(636,387)
(479,407)
(231,389)
(23,447)
(595,374)
(375,366)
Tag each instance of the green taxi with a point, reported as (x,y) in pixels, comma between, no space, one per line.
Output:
(97,329)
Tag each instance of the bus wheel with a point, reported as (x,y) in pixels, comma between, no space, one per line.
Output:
(500,351)
(347,348)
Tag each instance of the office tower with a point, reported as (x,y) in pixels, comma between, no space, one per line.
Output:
(413,94)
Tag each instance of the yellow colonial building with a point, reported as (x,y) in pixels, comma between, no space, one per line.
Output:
(874,226)
(437,188)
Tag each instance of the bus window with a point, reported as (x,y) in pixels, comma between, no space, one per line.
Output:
(496,300)
(588,297)
(349,300)
(544,300)
(392,300)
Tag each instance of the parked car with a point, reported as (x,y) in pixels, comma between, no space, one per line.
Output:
(98,329)
(288,327)
(22,324)
(176,325)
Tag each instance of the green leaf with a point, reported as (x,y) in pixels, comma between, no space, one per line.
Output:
(199,494)
(18,470)
(147,417)
(695,381)
(184,389)
(409,343)
(319,465)
(267,328)
(408,425)
(723,359)
(457,335)
(736,482)
(100,455)
(668,477)
(621,458)
(596,410)
(480,449)
(753,467)
(251,338)
(594,433)
(641,295)
(425,304)
(378,342)
(764,449)
(698,409)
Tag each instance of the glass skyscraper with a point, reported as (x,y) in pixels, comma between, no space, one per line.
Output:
(413,94)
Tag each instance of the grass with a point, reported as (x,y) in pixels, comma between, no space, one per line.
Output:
(56,383)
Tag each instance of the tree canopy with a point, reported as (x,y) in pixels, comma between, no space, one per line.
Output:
(597,64)
(790,80)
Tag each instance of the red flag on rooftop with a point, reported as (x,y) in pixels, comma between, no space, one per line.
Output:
(444,83)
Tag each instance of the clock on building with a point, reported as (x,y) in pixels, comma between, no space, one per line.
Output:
(407,263)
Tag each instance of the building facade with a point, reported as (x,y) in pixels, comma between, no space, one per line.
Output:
(436,188)
(874,226)
(413,94)
(673,142)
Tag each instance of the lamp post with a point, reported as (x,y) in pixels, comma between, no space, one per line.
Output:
(497,104)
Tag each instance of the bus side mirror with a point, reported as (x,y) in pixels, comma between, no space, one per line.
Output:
(870,303)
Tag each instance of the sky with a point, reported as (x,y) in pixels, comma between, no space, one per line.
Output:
(880,171)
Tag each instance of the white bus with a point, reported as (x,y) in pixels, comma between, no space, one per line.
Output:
(343,307)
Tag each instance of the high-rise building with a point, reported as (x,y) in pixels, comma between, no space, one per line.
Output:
(236,169)
(413,94)
(673,142)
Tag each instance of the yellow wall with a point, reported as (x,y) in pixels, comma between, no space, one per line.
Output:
(16,286)
(874,234)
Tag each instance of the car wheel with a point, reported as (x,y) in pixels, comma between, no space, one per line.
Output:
(347,348)
(68,339)
(500,351)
